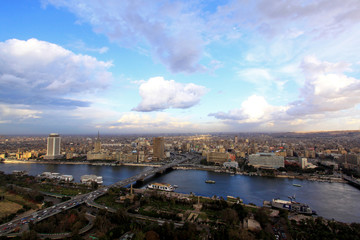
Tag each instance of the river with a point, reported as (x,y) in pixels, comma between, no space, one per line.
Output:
(338,201)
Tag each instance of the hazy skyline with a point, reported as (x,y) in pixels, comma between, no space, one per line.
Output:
(128,66)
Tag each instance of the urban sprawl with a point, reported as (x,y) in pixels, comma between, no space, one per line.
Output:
(265,151)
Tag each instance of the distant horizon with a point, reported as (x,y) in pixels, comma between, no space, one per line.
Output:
(179,134)
(157,67)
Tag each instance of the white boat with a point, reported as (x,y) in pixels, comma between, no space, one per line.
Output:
(292,206)
(161,186)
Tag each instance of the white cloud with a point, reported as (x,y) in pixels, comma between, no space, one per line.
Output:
(16,112)
(328,95)
(327,88)
(80,45)
(159,94)
(36,72)
(289,16)
(320,18)
(147,123)
(262,78)
(170,29)
(179,32)
(95,114)
(255,109)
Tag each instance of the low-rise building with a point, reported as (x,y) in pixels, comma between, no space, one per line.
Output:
(231,164)
(266,160)
(88,179)
(217,157)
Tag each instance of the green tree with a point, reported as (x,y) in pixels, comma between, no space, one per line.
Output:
(140,235)
(102,224)
(94,185)
(241,211)
(39,198)
(262,216)
(29,235)
(203,161)
(48,204)
(229,216)
(152,235)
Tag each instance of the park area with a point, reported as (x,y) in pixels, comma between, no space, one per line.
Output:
(12,204)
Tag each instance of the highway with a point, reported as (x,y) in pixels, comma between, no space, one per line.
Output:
(87,198)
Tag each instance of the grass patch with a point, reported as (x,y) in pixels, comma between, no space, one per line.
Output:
(8,207)
(159,214)
(62,190)
(168,205)
(13,204)
(109,201)
(211,214)
(15,198)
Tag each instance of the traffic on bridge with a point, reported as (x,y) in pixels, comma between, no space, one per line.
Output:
(88,198)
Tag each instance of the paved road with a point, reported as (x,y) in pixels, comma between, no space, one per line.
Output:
(88,197)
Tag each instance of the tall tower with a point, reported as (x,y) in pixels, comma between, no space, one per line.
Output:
(97,147)
(53,146)
(236,140)
(159,148)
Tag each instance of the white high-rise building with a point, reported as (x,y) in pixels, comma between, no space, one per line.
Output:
(53,146)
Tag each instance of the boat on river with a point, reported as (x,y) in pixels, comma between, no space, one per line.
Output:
(297,185)
(210,181)
(292,206)
(161,186)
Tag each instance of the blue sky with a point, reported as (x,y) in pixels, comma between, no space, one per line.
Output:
(170,66)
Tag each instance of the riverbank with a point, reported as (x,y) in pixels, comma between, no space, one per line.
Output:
(318,178)
(95,163)
(44,162)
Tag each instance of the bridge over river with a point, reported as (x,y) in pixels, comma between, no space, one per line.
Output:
(88,198)
(353,181)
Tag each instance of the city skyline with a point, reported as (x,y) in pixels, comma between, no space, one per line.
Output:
(178,66)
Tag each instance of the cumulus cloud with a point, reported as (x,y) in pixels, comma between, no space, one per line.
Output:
(35,72)
(327,88)
(159,94)
(328,94)
(255,109)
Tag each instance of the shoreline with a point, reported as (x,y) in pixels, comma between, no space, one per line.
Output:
(199,167)
(95,163)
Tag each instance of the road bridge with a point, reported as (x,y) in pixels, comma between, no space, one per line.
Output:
(89,197)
